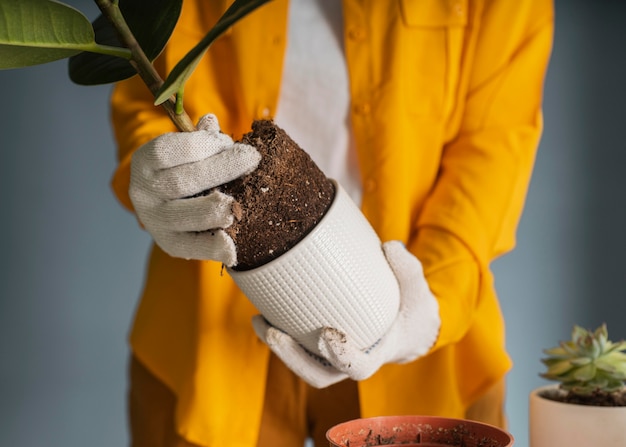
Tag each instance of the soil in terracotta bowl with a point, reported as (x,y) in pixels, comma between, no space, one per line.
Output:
(280,202)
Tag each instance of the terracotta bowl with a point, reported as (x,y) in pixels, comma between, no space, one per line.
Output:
(422,431)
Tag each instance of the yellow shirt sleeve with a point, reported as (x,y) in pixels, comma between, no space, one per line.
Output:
(471,215)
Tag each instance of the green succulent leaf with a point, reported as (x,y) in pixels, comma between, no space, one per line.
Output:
(570,347)
(588,363)
(39,31)
(580,361)
(616,369)
(599,382)
(184,69)
(558,368)
(152,24)
(557,352)
(579,334)
(617,347)
(602,332)
(549,361)
(585,373)
(613,385)
(595,348)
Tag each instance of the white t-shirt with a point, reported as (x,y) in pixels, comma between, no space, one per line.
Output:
(314,102)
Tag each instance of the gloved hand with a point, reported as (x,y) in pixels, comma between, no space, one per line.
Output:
(412,334)
(167,171)
(311,368)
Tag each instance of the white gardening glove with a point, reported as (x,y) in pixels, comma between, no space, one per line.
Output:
(168,171)
(311,368)
(412,334)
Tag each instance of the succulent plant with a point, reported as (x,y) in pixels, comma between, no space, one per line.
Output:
(587,364)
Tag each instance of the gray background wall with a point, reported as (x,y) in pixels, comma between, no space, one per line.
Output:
(72,258)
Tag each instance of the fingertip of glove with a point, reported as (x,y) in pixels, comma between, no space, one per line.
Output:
(250,152)
(279,341)
(209,123)
(395,252)
(330,334)
(333,343)
(395,245)
(399,256)
(267,333)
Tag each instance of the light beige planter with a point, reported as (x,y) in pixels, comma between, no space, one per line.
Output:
(337,276)
(555,424)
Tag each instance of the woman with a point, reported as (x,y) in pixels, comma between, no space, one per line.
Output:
(429,114)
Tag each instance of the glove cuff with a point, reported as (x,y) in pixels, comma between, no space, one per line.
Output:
(428,326)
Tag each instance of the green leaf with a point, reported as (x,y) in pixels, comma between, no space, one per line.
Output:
(151,23)
(558,368)
(617,347)
(580,361)
(585,373)
(613,385)
(39,31)
(595,348)
(612,364)
(570,347)
(602,332)
(557,352)
(183,70)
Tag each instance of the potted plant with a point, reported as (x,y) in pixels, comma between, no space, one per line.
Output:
(309,255)
(424,431)
(588,406)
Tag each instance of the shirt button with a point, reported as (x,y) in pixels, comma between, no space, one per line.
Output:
(356,33)
(277,40)
(369,185)
(362,108)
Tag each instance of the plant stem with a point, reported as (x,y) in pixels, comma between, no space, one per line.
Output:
(142,64)
(124,53)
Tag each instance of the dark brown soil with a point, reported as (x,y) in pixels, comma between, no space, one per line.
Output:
(597,399)
(431,436)
(280,202)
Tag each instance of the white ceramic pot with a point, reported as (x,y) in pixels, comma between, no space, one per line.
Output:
(337,276)
(553,424)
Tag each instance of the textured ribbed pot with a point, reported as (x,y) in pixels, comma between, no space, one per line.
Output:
(337,276)
(422,431)
(553,423)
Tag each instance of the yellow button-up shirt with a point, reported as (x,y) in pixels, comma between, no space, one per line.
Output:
(446,112)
